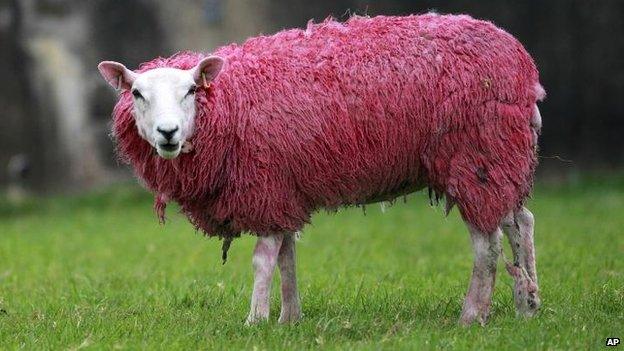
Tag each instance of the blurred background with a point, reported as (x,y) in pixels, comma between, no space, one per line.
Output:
(55,109)
(84,263)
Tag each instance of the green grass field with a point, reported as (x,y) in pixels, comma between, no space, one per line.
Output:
(98,272)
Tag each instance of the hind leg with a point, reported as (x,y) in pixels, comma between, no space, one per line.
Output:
(518,226)
(478,300)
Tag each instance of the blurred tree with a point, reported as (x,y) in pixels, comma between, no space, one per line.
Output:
(21,132)
(128,31)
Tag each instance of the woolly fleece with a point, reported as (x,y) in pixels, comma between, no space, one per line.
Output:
(350,113)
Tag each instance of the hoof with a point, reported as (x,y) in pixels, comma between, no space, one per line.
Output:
(525,292)
(255,320)
(527,305)
(289,317)
(472,316)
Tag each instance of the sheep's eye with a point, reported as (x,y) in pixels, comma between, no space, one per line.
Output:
(137,94)
(191,90)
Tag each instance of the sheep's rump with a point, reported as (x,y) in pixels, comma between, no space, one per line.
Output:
(351,113)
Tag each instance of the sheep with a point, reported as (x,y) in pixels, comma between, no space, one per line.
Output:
(256,137)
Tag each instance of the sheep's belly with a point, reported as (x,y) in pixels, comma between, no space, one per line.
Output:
(391,195)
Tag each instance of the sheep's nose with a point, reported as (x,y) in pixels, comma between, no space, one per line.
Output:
(167,132)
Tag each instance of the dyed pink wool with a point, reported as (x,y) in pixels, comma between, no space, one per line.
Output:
(342,114)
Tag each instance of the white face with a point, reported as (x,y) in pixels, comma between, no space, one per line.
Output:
(164,108)
(164,100)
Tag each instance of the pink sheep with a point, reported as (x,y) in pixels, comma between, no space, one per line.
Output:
(260,135)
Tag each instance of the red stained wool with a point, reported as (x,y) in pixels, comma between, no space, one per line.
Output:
(350,113)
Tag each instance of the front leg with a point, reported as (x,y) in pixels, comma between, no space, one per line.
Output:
(291,310)
(264,261)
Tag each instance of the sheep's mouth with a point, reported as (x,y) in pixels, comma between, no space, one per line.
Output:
(169,147)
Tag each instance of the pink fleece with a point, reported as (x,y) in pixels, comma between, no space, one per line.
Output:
(350,113)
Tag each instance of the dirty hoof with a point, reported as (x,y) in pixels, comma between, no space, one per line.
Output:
(255,319)
(289,316)
(527,303)
(471,316)
(525,292)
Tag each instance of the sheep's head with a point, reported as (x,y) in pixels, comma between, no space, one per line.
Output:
(164,100)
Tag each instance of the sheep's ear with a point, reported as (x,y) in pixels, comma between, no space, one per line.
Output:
(117,75)
(207,69)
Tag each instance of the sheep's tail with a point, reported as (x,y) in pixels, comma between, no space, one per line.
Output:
(536,118)
(536,125)
(540,93)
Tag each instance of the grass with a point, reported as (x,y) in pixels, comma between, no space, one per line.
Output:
(98,272)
